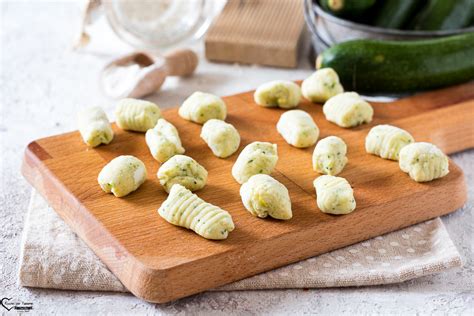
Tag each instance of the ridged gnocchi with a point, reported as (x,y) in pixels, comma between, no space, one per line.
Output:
(281,93)
(255,158)
(185,209)
(321,85)
(183,170)
(163,141)
(200,107)
(334,195)
(264,196)
(329,156)
(221,137)
(122,175)
(348,109)
(423,162)
(94,126)
(298,128)
(386,141)
(136,115)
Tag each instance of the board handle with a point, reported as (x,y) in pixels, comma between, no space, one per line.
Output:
(450,128)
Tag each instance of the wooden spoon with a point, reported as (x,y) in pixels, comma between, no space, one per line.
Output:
(139,74)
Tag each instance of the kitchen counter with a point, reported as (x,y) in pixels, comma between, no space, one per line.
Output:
(42,84)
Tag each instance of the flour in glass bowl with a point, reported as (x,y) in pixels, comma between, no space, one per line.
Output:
(156,23)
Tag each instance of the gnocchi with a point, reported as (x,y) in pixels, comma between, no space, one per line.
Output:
(137,115)
(255,158)
(423,162)
(348,109)
(298,128)
(264,196)
(386,141)
(284,94)
(94,126)
(221,137)
(185,209)
(200,107)
(334,195)
(163,141)
(122,175)
(183,170)
(329,156)
(321,85)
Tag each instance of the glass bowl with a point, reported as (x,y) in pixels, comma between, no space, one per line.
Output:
(158,24)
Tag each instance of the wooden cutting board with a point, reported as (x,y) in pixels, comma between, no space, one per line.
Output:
(160,262)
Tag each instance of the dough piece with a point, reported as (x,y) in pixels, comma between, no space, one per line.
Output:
(262,196)
(329,156)
(334,195)
(284,94)
(163,141)
(137,115)
(298,128)
(321,85)
(423,162)
(255,158)
(183,170)
(200,107)
(386,141)
(94,126)
(348,109)
(223,138)
(122,175)
(185,209)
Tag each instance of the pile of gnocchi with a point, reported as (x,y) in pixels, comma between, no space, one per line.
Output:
(262,195)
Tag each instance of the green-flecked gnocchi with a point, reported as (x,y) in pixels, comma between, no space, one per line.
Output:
(221,137)
(136,115)
(334,195)
(348,109)
(185,209)
(200,107)
(122,175)
(255,158)
(423,162)
(298,128)
(386,141)
(329,156)
(163,141)
(94,126)
(184,170)
(264,196)
(281,93)
(321,85)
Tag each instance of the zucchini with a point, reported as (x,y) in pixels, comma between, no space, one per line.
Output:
(394,14)
(401,66)
(346,7)
(444,15)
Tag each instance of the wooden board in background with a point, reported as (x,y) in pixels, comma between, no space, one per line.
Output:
(160,262)
(265,32)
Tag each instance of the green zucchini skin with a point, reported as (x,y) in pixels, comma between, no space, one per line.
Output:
(394,14)
(346,7)
(444,15)
(401,66)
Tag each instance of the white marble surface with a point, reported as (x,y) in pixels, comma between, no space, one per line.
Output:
(43,83)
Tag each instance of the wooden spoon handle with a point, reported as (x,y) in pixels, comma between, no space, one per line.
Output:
(181,62)
(450,128)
